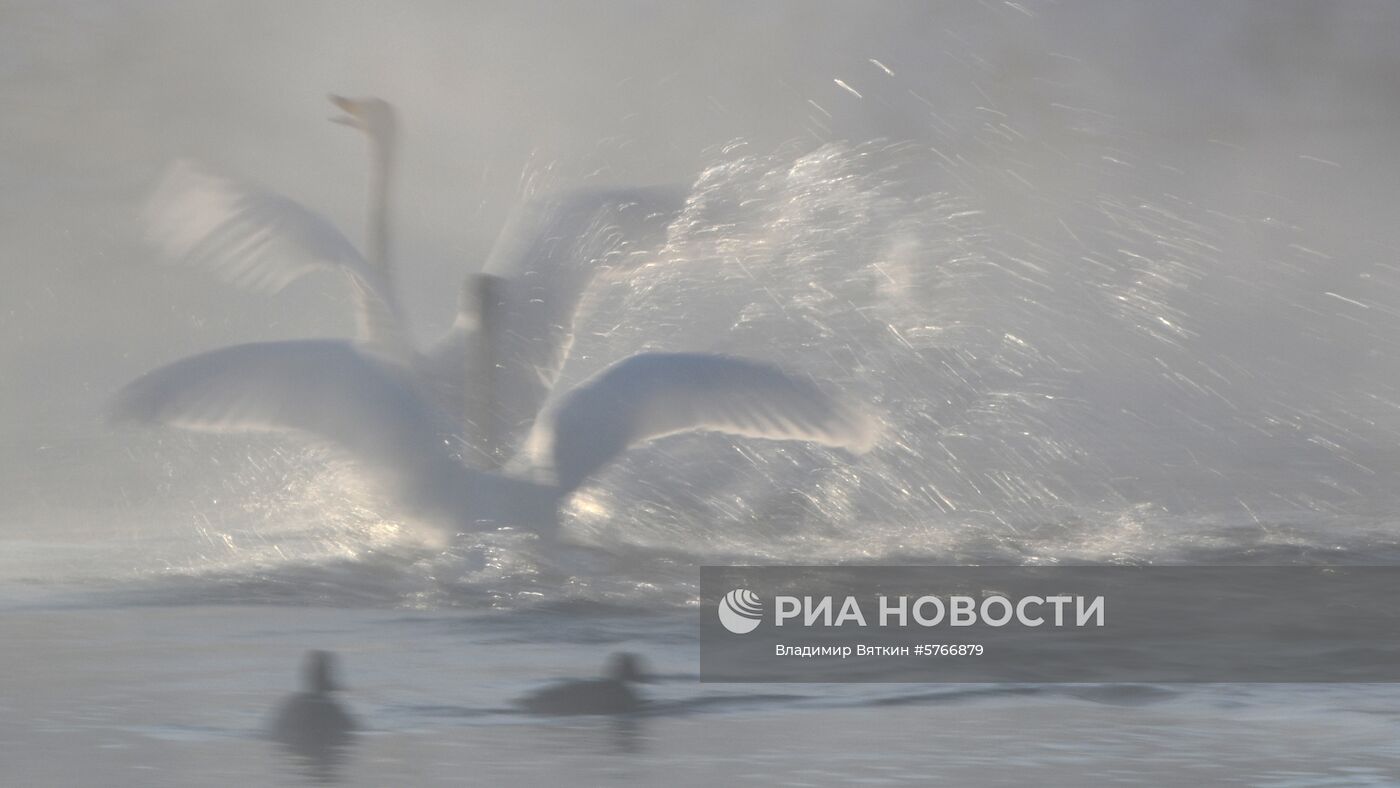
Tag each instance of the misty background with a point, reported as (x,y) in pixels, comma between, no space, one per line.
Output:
(1185,212)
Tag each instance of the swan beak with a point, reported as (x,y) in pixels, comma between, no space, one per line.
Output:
(351,117)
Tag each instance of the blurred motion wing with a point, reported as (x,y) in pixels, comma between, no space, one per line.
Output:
(324,388)
(262,241)
(541,265)
(655,394)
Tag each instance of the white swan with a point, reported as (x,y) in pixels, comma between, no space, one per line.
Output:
(515,320)
(396,410)
(373,409)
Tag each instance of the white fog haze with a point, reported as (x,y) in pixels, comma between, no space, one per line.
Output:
(1113,282)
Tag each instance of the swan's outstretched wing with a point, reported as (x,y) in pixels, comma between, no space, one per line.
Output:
(262,241)
(539,269)
(655,394)
(324,388)
(552,247)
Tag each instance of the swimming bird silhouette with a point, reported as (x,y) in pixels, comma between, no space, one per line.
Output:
(515,320)
(312,721)
(612,694)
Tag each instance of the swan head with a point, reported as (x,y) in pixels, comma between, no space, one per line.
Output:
(374,116)
(478,297)
(625,667)
(318,673)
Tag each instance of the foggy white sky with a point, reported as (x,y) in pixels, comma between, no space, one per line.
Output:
(1246,108)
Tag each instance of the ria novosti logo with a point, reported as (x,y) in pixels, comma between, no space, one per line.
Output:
(740,611)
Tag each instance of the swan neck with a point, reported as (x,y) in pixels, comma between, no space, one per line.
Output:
(380,188)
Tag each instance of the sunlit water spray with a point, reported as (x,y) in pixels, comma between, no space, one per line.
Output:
(1079,348)
(1043,399)
(1056,398)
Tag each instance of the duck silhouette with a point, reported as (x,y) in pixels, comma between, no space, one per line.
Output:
(312,722)
(612,694)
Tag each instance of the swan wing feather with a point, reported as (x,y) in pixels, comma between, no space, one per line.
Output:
(327,389)
(542,264)
(261,241)
(651,395)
